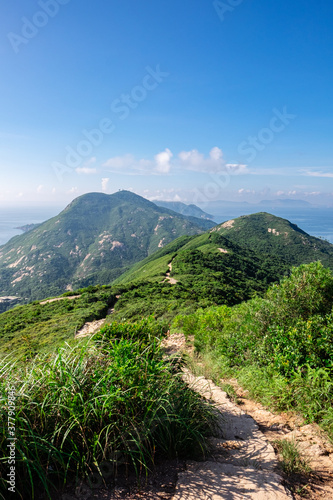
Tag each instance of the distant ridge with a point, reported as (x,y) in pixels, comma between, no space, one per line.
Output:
(182,208)
(260,236)
(285,203)
(93,240)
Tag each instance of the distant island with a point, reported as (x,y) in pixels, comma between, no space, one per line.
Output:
(285,203)
(27,227)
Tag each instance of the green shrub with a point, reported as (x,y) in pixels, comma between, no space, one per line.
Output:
(280,347)
(81,408)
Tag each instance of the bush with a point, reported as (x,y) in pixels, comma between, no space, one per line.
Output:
(81,409)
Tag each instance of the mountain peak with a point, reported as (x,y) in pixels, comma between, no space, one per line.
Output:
(92,241)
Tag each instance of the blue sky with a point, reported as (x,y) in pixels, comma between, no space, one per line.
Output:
(189,100)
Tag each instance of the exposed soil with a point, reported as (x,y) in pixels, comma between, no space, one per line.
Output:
(311,441)
(243,463)
(173,281)
(71,297)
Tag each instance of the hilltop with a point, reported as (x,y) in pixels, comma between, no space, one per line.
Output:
(92,241)
(228,264)
(263,232)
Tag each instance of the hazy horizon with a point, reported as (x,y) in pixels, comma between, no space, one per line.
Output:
(185,101)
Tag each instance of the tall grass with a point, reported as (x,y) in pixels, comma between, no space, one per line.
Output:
(94,407)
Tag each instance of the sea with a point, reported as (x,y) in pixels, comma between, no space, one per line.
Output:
(13,218)
(315,221)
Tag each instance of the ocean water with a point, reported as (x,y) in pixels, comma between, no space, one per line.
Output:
(12,218)
(314,221)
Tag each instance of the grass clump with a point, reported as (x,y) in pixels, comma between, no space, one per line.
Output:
(292,461)
(116,401)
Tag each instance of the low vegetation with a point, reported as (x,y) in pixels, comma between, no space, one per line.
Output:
(88,412)
(280,346)
(292,461)
(37,328)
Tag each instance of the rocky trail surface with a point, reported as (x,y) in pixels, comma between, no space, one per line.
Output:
(242,463)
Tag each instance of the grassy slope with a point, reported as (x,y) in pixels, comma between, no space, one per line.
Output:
(206,277)
(109,407)
(264,232)
(92,241)
(41,328)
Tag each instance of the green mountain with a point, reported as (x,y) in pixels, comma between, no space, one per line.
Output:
(182,208)
(226,265)
(206,270)
(263,232)
(190,272)
(92,241)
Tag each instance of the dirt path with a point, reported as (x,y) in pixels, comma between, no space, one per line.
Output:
(93,326)
(167,276)
(90,328)
(71,297)
(243,463)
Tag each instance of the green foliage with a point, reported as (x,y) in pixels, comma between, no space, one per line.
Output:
(144,330)
(265,233)
(290,328)
(205,325)
(27,330)
(279,346)
(86,407)
(292,461)
(205,277)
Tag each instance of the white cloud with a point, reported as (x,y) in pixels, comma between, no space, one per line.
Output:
(191,158)
(237,168)
(86,170)
(196,161)
(311,173)
(164,163)
(216,154)
(72,190)
(39,188)
(245,191)
(162,160)
(105,182)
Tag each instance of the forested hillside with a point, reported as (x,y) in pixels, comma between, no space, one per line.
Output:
(95,239)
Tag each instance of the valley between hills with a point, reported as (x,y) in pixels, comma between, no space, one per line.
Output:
(252,297)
